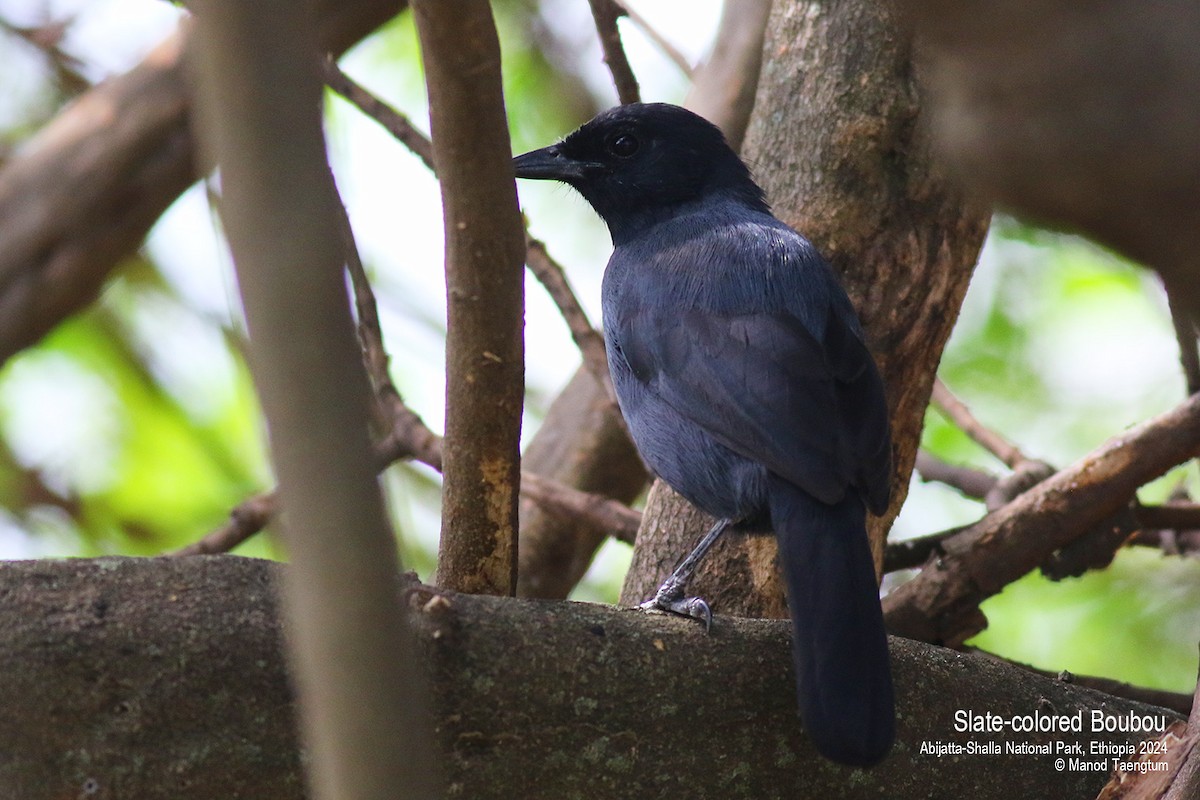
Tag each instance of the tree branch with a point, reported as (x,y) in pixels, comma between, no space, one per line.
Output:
(395,123)
(1186,782)
(608,516)
(726,83)
(1183,320)
(957,412)
(363,709)
(485,256)
(516,685)
(973,483)
(941,604)
(589,341)
(606,13)
(1041,122)
(653,34)
(83,193)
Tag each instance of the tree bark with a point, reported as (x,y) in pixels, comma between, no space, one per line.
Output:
(837,141)
(485,296)
(163,678)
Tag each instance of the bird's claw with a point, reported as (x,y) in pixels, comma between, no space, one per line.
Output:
(693,607)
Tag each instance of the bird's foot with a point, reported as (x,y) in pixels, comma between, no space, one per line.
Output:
(669,598)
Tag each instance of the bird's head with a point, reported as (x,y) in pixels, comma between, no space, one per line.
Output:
(640,162)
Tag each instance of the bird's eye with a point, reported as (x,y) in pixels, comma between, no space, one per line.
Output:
(623,145)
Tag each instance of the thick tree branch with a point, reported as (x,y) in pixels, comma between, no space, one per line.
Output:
(485,296)
(533,699)
(1173,528)
(941,604)
(83,193)
(1095,131)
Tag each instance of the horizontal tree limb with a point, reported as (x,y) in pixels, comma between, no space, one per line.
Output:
(153,677)
(941,604)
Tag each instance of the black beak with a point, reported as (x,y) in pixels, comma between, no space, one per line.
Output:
(549,163)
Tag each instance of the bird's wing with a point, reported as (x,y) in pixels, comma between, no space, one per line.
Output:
(807,406)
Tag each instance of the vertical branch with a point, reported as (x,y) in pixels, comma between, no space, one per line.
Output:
(1186,331)
(725,85)
(606,13)
(485,257)
(362,707)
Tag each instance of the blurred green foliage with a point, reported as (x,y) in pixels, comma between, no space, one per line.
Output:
(133,427)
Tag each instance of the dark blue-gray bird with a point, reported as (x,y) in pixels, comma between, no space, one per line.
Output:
(741,368)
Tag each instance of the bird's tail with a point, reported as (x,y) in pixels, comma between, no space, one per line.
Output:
(838,640)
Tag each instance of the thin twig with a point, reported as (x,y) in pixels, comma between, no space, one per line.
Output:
(1173,527)
(1186,332)
(587,338)
(392,120)
(47,38)
(971,482)
(370,333)
(1169,516)
(617,519)
(606,13)
(916,552)
(958,413)
(250,517)
(669,50)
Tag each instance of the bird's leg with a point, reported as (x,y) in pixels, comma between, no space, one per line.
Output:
(669,596)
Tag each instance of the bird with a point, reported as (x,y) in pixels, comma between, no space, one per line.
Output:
(743,374)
